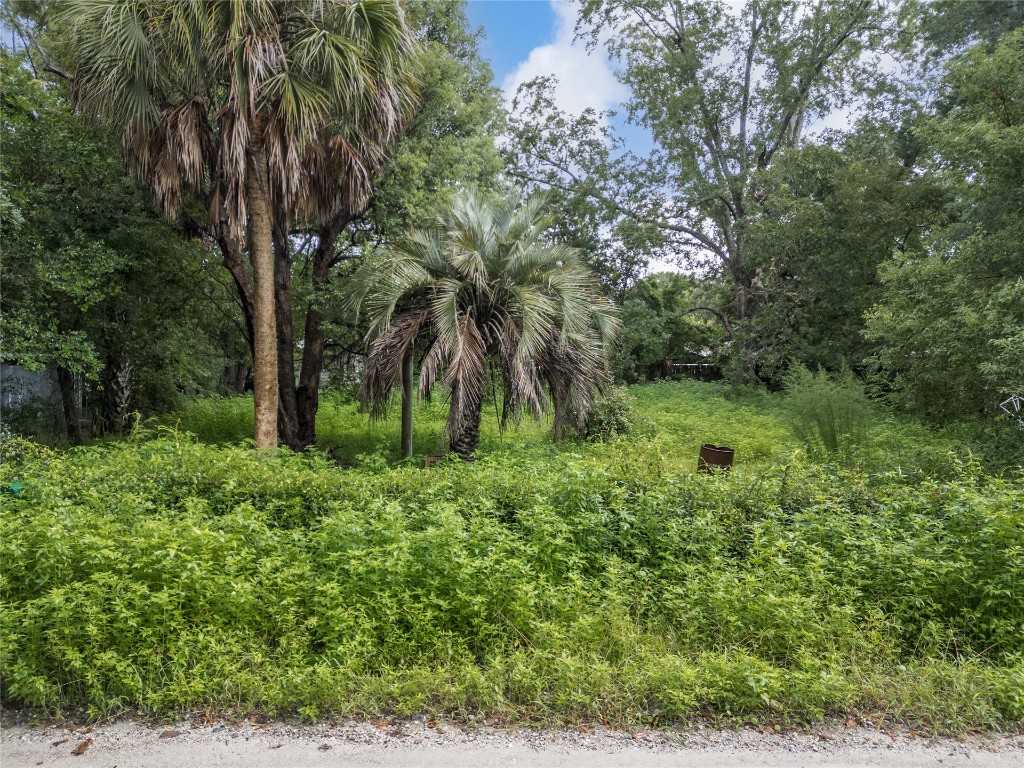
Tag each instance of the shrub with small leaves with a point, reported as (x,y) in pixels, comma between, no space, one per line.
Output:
(592,581)
(614,415)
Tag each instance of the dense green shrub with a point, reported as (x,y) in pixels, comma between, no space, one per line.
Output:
(614,416)
(598,582)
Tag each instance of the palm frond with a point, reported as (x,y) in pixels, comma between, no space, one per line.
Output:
(432,368)
(466,374)
(384,363)
(323,87)
(494,287)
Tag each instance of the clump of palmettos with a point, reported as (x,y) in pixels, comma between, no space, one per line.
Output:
(487,288)
(265,111)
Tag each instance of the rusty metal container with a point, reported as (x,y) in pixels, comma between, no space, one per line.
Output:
(714,457)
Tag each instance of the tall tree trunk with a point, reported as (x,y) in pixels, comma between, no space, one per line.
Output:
(69,403)
(234,263)
(745,343)
(287,411)
(307,394)
(407,403)
(261,252)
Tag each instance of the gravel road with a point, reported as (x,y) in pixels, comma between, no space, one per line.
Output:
(429,744)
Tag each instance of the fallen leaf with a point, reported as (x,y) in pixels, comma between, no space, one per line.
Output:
(275,746)
(655,721)
(170,734)
(59,742)
(584,729)
(324,747)
(433,724)
(639,735)
(397,732)
(80,749)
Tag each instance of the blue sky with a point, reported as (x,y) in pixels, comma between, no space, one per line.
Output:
(513,28)
(527,38)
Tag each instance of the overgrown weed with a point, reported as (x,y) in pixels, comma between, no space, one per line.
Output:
(586,582)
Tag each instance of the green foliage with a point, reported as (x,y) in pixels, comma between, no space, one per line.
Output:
(614,416)
(164,574)
(831,413)
(658,323)
(450,141)
(831,216)
(92,277)
(950,25)
(948,325)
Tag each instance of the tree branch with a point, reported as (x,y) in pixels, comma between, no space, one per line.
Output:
(722,317)
(804,88)
(755,34)
(48,65)
(701,240)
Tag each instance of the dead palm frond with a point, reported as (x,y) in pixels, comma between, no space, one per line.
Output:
(322,86)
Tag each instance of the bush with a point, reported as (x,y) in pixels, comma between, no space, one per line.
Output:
(830,413)
(613,416)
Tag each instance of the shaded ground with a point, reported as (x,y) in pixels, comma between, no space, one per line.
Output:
(130,744)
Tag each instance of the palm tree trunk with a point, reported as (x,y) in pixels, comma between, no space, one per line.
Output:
(407,404)
(466,433)
(261,252)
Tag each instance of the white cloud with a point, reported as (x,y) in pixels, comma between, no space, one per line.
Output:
(585,78)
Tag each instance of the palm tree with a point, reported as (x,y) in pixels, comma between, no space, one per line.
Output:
(486,286)
(267,109)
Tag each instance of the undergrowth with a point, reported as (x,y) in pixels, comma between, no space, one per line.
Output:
(593,581)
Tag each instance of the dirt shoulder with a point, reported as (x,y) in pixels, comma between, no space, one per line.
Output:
(427,743)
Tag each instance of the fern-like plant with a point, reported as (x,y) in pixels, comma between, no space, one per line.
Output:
(830,412)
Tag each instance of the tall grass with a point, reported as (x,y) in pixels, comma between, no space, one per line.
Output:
(830,413)
(683,415)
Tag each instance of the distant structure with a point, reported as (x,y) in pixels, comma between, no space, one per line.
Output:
(30,401)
